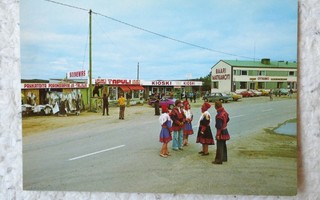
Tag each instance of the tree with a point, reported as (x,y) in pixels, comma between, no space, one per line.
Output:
(206,82)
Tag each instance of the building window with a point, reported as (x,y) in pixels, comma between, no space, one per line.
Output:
(243,85)
(244,72)
(215,85)
(291,73)
(261,85)
(236,72)
(261,73)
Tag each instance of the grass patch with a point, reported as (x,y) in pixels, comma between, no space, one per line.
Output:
(269,144)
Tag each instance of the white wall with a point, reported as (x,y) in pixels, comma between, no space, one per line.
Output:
(221,73)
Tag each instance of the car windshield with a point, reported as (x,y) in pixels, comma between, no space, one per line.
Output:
(224,94)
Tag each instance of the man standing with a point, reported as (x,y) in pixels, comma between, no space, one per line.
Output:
(222,135)
(122,104)
(105,104)
(156,104)
(177,116)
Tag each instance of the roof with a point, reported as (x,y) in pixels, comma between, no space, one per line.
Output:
(258,64)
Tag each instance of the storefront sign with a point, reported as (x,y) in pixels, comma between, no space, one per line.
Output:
(100,81)
(34,85)
(221,71)
(263,78)
(78,74)
(122,82)
(221,77)
(278,79)
(176,83)
(161,83)
(53,85)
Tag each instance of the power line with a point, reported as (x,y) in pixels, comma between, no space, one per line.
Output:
(151,32)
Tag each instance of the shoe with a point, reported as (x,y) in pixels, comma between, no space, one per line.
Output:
(162,155)
(200,152)
(205,154)
(181,149)
(217,163)
(168,154)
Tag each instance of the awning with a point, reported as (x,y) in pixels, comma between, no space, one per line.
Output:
(136,87)
(124,88)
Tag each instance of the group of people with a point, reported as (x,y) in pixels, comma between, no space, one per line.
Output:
(177,126)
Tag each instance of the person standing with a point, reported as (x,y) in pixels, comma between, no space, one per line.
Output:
(165,133)
(195,96)
(156,104)
(122,104)
(177,116)
(222,134)
(271,94)
(187,129)
(204,136)
(105,104)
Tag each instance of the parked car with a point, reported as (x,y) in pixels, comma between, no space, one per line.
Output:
(235,96)
(256,92)
(247,94)
(168,101)
(281,91)
(264,92)
(218,96)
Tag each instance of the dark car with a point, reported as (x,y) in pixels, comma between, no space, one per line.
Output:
(218,96)
(168,101)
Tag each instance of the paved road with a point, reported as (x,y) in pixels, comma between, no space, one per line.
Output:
(123,156)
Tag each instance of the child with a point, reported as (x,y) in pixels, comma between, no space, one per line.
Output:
(187,130)
(165,133)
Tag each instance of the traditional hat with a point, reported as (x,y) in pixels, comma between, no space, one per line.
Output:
(164,109)
(185,102)
(177,102)
(205,106)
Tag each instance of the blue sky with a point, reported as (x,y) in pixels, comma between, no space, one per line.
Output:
(54,38)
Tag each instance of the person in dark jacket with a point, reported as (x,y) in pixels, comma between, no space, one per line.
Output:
(105,104)
(222,134)
(157,104)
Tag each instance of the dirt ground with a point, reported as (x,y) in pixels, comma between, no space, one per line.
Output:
(265,156)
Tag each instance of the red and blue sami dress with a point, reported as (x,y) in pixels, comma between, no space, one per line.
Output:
(166,128)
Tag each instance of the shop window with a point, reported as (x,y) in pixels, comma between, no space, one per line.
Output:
(291,73)
(243,85)
(136,94)
(215,85)
(113,93)
(244,72)
(261,85)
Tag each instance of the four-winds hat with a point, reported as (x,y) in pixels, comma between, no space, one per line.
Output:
(164,109)
(205,106)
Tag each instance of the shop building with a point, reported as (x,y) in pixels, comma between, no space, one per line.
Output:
(37,90)
(134,90)
(233,75)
